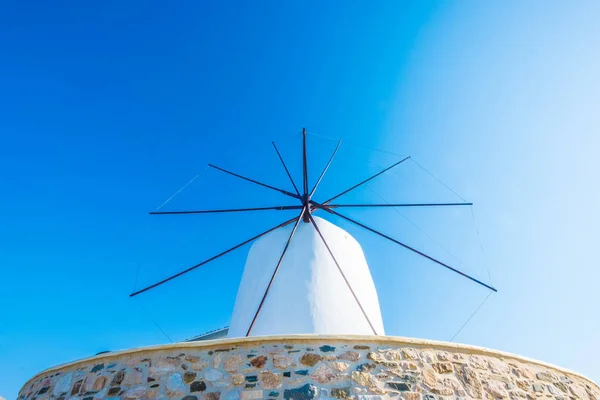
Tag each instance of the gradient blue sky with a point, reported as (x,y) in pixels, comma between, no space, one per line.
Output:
(107,109)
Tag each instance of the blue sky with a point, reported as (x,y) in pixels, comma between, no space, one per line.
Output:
(108,109)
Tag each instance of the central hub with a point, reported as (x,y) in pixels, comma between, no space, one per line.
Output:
(305,203)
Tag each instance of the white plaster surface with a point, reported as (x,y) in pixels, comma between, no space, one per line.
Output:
(308,295)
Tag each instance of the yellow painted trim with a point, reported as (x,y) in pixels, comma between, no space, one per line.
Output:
(328,339)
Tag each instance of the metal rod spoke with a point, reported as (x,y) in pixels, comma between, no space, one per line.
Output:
(286,169)
(325,170)
(305,196)
(399,205)
(304,163)
(258,183)
(407,247)
(365,181)
(287,244)
(211,259)
(279,208)
(312,220)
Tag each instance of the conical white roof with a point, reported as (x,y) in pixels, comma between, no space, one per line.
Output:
(309,294)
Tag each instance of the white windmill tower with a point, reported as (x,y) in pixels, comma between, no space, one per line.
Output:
(306,275)
(305,287)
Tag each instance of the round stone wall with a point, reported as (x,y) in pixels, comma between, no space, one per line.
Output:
(308,367)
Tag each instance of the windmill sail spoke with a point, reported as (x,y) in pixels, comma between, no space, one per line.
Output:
(410,248)
(304,163)
(279,208)
(365,181)
(305,196)
(211,259)
(256,182)
(400,205)
(287,244)
(307,207)
(325,170)
(286,170)
(312,220)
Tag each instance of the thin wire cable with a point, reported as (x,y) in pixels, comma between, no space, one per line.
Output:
(451,190)
(403,175)
(357,144)
(364,181)
(183,187)
(425,233)
(437,179)
(289,139)
(463,199)
(472,315)
(255,140)
(144,311)
(142,308)
(480,243)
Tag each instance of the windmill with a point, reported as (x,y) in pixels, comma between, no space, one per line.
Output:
(319,282)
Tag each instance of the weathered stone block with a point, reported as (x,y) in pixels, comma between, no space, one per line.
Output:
(282,361)
(366,367)
(238,379)
(189,376)
(259,362)
(99,383)
(399,386)
(213,375)
(443,368)
(340,393)
(310,359)
(467,376)
(411,396)
(544,376)
(339,366)
(269,380)
(496,389)
(538,387)
(198,386)
(429,377)
(410,354)
(212,396)
(306,392)
(349,356)
(175,385)
(323,374)
(135,393)
(233,362)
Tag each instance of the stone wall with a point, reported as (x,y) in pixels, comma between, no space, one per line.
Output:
(302,368)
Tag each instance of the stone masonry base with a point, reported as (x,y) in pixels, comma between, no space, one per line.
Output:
(308,367)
